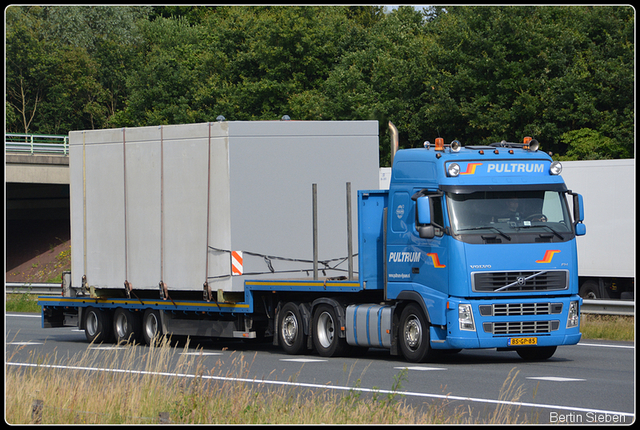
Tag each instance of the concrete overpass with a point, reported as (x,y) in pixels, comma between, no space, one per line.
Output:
(36,196)
(36,169)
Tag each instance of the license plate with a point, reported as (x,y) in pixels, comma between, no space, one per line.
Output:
(517,341)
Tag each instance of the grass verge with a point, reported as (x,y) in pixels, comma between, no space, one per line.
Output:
(91,389)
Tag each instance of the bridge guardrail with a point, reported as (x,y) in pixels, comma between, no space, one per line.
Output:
(36,143)
(601,307)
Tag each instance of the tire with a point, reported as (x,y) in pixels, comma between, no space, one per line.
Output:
(325,331)
(590,290)
(291,330)
(97,325)
(151,327)
(414,334)
(127,325)
(536,353)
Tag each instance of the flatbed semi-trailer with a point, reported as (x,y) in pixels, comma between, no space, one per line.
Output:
(442,262)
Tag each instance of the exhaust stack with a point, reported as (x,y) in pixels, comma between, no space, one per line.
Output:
(394,141)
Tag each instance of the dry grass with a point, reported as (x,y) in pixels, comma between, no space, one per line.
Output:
(608,327)
(92,389)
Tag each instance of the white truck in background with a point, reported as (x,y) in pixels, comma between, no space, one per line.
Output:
(606,254)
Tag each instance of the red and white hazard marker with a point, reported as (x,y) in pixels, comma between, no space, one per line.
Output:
(236,263)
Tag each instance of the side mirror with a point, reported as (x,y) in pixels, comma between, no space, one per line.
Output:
(578,207)
(578,213)
(426,231)
(424,227)
(424,211)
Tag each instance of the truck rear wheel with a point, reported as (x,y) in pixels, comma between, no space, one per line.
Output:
(126,325)
(151,326)
(97,325)
(414,334)
(292,337)
(325,332)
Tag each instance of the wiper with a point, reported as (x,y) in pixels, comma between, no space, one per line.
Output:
(545,226)
(488,227)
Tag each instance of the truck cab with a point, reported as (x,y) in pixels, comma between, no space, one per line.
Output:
(480,241)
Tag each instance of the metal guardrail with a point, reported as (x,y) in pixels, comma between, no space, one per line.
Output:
(609,307)
(601,307)
(41,288)
(36,144)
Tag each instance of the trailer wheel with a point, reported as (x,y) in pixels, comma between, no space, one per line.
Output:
(292,337)
(414,334)
(325,332)
(126,325)
(151,327)
(536,353)
(97,325)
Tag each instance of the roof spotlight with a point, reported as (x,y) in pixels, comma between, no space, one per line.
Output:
(455,146)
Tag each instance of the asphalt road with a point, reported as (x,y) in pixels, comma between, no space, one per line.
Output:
(589,383)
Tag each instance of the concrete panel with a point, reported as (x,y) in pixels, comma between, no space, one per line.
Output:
(252,179)
(143,207)
(271,190)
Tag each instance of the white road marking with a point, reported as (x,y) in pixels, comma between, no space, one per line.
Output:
(606,346)
(420,368)
(302,360)
(24,343)
(554,378)
(106,348)
(24,316)
(329,387)
(200,353)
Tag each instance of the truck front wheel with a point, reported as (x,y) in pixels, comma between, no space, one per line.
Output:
(126,325)
(536,353)
(292,338)
(325,332)
(414,334)
(97,325)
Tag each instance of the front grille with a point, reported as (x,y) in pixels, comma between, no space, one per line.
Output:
(509,282)
(517,309)
(521,327)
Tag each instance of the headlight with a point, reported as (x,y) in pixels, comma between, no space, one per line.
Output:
(573,319)
(453,170)
(465,317)
(555,168)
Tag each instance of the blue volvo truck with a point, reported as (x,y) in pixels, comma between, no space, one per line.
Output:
(470,247)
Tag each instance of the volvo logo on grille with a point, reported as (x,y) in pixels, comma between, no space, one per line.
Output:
(521,281)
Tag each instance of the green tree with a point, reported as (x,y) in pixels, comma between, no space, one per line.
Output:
(28,67)
(274,58)
(587,144)
(507,72)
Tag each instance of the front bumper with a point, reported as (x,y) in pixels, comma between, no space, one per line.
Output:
(496,322)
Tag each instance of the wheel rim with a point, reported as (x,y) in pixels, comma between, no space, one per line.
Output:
(326,329)
(289,328)
(121,325)
(413,332)
(151,326)
(92,323)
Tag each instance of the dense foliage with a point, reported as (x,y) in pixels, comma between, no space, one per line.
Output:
(564,75)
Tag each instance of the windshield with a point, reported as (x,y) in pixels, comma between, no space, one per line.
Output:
(507,213)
